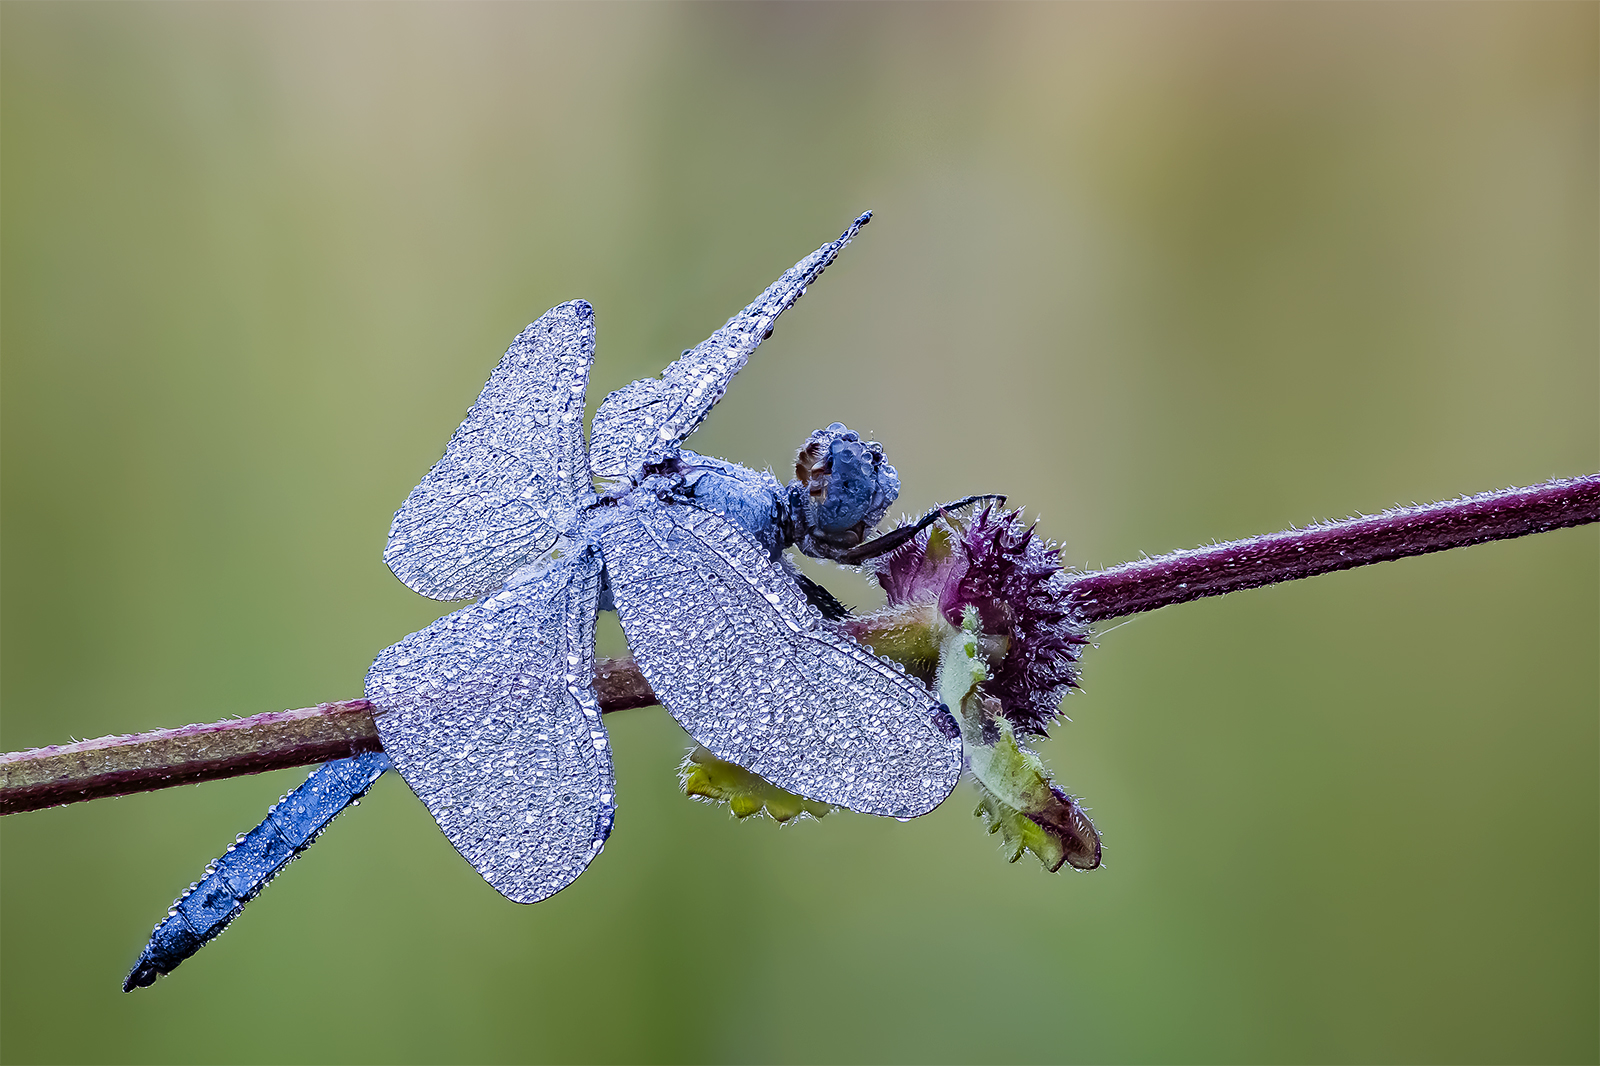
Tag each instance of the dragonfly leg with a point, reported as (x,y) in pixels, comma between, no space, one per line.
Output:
(254,859)
(824,601)
(896,537)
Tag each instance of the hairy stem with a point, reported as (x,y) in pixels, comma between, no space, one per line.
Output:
(141,762)
(119,765)
(1178,577)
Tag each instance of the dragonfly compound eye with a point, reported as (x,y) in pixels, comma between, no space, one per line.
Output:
(850,484)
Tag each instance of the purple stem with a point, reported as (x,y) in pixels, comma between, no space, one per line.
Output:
(142,762)
(119,765)
(1180,576)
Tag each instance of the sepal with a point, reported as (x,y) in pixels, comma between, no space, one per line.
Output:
(1016,795)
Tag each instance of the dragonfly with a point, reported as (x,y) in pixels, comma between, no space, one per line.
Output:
(490,714)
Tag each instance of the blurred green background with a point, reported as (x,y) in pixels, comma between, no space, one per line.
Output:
(1165,274)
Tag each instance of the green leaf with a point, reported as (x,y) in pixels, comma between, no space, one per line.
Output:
(706,777)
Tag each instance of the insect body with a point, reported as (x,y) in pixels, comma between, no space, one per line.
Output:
(490,714)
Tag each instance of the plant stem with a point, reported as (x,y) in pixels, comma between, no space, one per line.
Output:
(142,762)
(1180,576)
(119,765)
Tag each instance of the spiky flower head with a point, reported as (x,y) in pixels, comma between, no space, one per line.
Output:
(1013,579)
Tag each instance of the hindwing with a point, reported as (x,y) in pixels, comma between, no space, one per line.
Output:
(491,717)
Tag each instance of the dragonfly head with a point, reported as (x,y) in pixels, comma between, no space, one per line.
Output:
(842,487)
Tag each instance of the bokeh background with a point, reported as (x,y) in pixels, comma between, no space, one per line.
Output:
(1165,274)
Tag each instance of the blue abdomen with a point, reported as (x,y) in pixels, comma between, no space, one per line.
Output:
(254,859)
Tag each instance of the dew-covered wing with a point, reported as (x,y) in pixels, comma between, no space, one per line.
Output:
(491,717)
(751,670)
(641,422)
(513,476)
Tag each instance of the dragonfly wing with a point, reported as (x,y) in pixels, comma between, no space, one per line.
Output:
(740,658)
(491,717)
(641,422)
(514,475)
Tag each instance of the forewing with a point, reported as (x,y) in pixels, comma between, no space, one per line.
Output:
(641,422)
(749,668)
(491,717)
(513,476)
